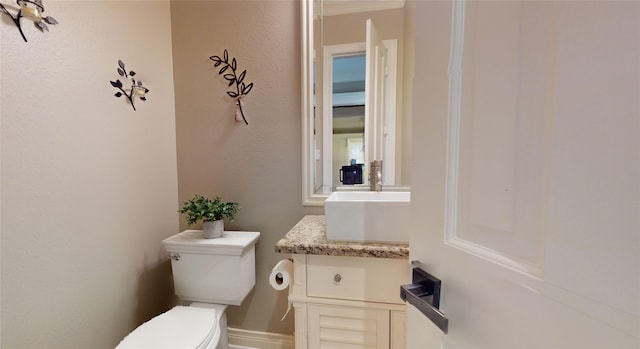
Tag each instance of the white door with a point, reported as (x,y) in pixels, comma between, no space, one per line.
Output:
(526,182)
(374,94)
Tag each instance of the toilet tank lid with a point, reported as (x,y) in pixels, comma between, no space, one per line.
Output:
(231,243)
(180,327)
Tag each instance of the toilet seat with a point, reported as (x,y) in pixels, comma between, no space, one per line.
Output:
(180,327)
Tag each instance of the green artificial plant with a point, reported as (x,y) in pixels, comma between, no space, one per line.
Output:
(207,210)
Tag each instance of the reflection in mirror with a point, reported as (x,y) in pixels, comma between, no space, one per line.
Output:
(357,65)
(344,107)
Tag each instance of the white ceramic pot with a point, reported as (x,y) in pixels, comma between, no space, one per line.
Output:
(213,230)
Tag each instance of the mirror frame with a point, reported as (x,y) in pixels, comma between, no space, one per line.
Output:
(309,197)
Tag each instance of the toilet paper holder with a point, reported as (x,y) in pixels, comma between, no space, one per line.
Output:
(424,294)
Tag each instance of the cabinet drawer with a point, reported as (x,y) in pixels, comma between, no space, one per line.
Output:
(355,278)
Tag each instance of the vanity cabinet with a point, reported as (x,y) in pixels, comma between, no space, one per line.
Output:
(349,302)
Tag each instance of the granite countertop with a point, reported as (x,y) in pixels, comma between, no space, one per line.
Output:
(309,236)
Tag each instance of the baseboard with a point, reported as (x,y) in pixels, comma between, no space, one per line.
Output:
(261,340)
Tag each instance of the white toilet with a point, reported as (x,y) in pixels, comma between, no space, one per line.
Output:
(208,275)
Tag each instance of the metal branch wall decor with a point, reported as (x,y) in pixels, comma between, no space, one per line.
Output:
(137,89)
(232,77)
(33,10)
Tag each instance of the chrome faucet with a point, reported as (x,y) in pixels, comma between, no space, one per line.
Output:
(375,175)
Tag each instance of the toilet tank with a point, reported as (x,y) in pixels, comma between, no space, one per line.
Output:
(220,271)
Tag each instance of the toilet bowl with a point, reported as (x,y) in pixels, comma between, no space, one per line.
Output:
(209,275)
(181,327)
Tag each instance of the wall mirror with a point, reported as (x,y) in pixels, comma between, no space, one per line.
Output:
(357,78)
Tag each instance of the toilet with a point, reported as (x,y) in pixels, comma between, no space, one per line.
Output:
(208,276)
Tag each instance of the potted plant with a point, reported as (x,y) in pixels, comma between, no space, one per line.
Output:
(211,212)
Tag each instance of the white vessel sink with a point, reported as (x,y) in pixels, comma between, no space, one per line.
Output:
(367,216)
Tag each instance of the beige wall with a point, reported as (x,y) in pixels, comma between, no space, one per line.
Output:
(89,186)
(258,165)
(348,28)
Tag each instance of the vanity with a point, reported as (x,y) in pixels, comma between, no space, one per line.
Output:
(345,293)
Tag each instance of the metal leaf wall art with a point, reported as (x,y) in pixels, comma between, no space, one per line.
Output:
(30,9)
(137,89)
(228,69)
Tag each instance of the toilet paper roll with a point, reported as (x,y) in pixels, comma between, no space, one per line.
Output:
(282,277)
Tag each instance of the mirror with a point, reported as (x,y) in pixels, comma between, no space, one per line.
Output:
(357,77)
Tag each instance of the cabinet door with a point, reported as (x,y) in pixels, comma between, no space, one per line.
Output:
(398,329)
(333,327)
